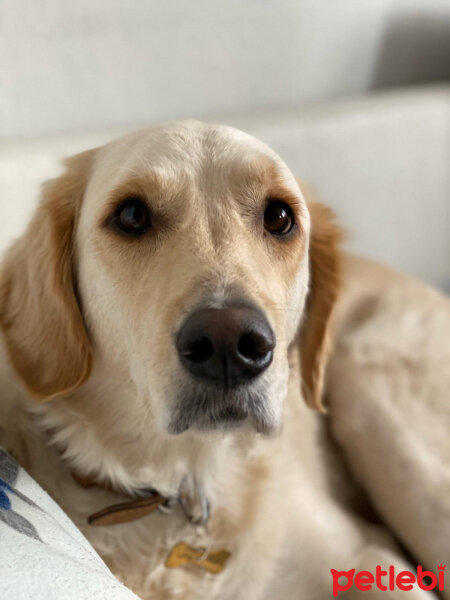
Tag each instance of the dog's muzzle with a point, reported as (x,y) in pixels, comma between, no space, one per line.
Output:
(225,351)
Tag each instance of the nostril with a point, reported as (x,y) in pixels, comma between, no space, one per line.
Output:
(199,350)
(253,347)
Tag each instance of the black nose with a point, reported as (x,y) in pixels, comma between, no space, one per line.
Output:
(227,346)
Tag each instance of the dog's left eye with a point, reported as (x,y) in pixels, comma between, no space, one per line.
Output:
(278,218)
(132,216)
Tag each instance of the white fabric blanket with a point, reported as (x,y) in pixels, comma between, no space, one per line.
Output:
(43,556)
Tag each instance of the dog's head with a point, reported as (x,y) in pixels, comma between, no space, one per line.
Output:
(178,263)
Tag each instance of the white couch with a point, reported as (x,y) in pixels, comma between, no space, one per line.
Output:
(43,555)
(381,161)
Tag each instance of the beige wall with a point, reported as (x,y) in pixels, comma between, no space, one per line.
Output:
(68,66)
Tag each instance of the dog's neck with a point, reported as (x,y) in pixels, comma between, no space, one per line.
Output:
(99,435)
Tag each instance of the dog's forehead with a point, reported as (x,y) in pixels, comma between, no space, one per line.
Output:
(188,142)
(192,148)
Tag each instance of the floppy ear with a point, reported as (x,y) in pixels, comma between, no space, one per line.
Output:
(39,313)
(325,279)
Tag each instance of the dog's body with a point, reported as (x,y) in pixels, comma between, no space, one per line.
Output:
(123,410)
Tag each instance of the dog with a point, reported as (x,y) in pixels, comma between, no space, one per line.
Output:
(167,320)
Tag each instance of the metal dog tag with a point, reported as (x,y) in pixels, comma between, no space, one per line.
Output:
(182,554)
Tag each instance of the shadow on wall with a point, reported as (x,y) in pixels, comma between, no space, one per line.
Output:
(415,49)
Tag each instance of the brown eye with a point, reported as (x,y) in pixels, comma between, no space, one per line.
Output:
(132,217)
(278,218)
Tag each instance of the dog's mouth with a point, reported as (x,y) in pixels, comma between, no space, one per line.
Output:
(208,408)
(232,414)
(227,418)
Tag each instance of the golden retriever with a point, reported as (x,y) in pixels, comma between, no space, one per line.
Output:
(164,317)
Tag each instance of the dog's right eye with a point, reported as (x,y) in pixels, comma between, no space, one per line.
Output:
(132,217)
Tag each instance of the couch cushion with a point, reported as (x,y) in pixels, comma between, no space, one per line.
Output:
(381,161)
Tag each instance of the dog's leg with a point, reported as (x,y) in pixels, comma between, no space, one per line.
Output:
(372,557)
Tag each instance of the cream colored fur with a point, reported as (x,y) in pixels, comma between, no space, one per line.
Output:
(88,320)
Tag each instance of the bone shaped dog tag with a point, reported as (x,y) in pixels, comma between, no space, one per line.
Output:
(182,554)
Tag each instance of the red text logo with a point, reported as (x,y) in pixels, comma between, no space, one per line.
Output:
(388,580)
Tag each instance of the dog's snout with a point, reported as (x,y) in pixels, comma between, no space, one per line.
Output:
(227,346)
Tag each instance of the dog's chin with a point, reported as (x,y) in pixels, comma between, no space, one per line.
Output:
(208,408)
(228,419)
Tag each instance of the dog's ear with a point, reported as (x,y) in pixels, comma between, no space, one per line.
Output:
(40,316)
(325,279)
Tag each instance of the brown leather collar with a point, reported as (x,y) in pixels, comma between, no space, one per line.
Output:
(123,512)
(181,554)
